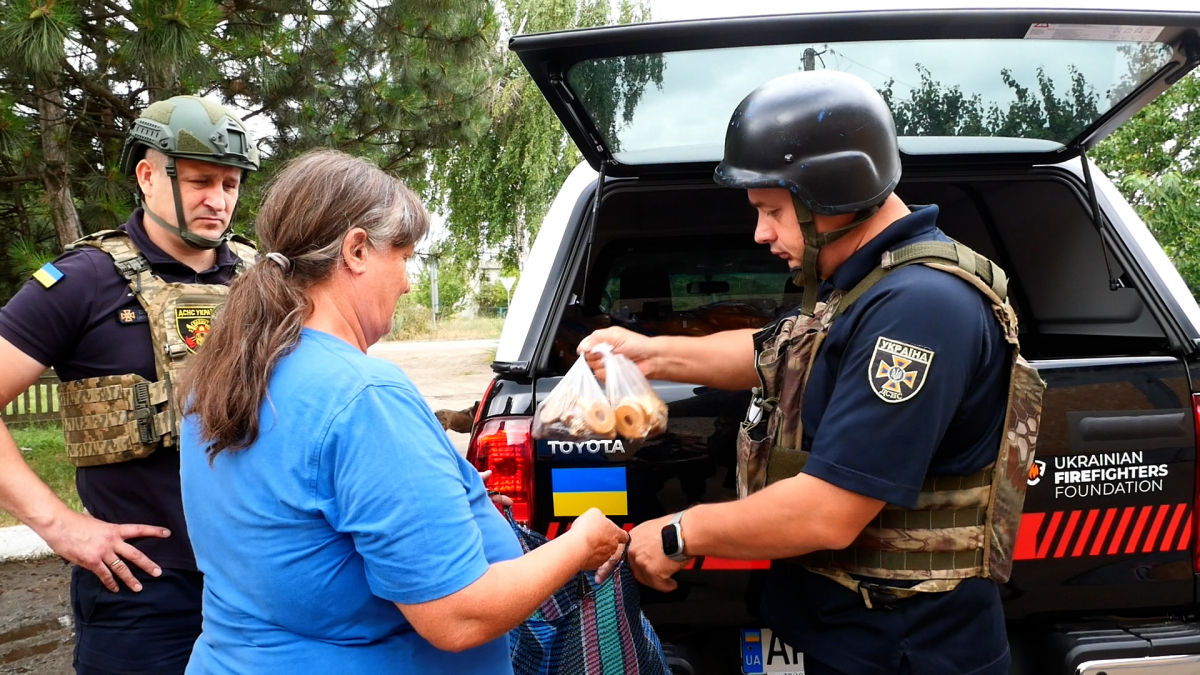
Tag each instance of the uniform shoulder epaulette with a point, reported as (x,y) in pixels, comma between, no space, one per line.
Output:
(93,238)
(243,240)
(246,251)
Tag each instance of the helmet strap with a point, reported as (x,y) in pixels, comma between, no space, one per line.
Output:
(190,238)
(806,275)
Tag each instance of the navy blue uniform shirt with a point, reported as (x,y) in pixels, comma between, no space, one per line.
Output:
(883,449)
(73,327)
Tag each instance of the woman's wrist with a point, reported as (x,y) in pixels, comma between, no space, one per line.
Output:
(578,547)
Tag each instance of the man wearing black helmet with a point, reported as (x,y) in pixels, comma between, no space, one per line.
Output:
(881,465)
(117,316)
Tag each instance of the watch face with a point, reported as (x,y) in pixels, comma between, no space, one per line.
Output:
(670,540)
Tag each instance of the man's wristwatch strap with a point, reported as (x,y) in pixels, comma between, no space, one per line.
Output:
(674,531)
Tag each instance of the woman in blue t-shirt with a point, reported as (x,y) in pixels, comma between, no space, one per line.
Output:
(336,527)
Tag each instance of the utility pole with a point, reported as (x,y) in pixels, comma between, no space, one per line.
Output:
(809,60)
(433,289)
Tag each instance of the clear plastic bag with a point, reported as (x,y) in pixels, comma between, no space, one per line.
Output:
(639,412)
(576,409)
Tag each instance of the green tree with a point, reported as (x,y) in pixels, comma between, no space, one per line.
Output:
(495,192)
(390,80)
(491,297)
(1152,159)
(453,287)
(933,109)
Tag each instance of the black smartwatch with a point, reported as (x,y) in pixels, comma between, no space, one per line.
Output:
(672,539)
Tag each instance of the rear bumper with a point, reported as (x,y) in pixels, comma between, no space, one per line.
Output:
(1151,665)
(1116,647)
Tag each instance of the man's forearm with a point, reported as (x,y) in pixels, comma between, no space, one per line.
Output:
(722,360)
(792,517)
(22,493)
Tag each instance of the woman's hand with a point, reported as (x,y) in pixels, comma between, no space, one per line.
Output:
(605,541)
(637,347)
(497,498)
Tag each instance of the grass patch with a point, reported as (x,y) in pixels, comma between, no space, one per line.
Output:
(412,321)
(48,459)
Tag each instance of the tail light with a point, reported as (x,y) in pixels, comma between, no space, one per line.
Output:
(504,445)
(1195,520)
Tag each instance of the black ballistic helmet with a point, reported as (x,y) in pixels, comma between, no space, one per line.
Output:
(826,136)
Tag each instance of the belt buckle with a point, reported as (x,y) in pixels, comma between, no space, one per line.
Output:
(878,595)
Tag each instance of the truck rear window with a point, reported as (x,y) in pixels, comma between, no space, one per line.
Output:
(661,281)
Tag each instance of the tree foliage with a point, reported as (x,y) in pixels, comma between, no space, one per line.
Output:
(933,109)
(496,191)
(1153,160)
(391,80)
(454,286)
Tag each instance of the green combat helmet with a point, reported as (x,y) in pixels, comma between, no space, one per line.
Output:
(192,128)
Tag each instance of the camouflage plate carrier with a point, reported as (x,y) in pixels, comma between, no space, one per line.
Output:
(962,526)
(118,418)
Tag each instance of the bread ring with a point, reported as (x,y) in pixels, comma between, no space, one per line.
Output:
(631,420)
(599,417)
(658,419)
(552,409)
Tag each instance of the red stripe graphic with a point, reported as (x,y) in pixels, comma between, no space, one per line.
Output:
(1067,532)
(1051,530)
(1159,517)
(1108,518)
(1070,531)
(1169,537)
(1134,538)
(1119,535)
(1085,533)
(1026,546)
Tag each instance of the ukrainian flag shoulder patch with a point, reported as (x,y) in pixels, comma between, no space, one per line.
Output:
(577,490)
(48,275)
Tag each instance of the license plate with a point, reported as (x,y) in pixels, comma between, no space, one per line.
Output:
(764,652)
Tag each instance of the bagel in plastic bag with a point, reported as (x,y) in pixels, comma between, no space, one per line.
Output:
(576,409)
(639,412)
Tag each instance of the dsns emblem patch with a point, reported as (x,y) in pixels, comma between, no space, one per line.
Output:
(897,370)
(193,322)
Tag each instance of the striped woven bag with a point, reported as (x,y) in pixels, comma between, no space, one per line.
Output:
(586,628)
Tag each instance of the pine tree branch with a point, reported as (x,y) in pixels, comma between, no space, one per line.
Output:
(26,178)
(92,88)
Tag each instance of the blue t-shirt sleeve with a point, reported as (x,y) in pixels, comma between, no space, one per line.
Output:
(399,490)
(882,449)
(46,323)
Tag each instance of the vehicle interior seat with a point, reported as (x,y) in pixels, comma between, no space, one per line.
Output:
(646,291)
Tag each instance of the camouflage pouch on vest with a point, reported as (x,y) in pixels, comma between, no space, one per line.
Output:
(784,355)
(112,419)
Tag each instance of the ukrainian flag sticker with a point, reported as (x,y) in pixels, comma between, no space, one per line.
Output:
(48,275)
(577,490)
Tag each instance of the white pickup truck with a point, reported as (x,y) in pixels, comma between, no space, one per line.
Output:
(996,110)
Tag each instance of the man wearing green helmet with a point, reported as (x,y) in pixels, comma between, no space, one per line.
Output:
(117,316)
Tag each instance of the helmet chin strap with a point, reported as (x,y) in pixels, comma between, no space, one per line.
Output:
(806,275)
(190,238)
